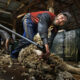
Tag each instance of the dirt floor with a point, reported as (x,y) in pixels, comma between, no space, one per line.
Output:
(18,72)
(28,66)
(32,68)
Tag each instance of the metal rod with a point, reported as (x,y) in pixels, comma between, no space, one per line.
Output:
(18,35)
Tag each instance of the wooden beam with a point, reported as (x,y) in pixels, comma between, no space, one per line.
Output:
(77,2)
(6,12)
(30,5)
(21,6)
(26,8)
(50,5)
(7,23)
(14,28)
(8,2)
(43,3)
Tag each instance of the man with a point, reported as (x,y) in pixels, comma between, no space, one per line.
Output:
(40,22)
(5,39)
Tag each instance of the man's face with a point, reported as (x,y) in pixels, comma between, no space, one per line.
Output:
(60,20)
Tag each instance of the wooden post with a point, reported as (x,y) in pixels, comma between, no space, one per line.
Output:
(50,5)
(14,28)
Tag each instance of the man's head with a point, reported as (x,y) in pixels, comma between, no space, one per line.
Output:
(62,18)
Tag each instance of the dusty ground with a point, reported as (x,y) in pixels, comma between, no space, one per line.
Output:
(31,68)
(28,66)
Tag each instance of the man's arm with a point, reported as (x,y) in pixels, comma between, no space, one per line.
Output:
(43,30)
(53,34)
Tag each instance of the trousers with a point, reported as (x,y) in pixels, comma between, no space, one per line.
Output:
(30,29)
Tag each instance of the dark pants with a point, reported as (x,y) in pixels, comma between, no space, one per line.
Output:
(30,29)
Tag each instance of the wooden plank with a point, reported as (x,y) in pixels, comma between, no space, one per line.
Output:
(6,12)
(50,5)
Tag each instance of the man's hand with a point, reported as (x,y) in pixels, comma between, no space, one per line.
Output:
(47,50)
(46,54)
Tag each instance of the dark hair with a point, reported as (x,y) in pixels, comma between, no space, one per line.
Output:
(68,15)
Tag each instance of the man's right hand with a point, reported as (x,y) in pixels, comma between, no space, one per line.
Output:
(47,53)
(47,49)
